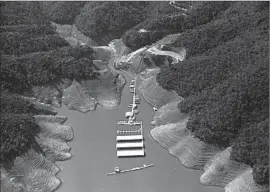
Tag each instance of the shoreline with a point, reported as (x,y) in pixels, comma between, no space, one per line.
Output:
(39,172)
(218,169)
(231,178)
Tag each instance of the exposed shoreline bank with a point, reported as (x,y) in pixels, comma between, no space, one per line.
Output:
(36,171)
(219,169)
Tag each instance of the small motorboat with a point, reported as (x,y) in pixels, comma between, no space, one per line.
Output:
(155,109)
(129,114)
(136,111)
(116,169)
(132,106)
(131,119)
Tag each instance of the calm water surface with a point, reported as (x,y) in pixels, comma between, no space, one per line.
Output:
(94,155)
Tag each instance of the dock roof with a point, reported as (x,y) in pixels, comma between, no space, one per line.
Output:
(129,137)
(130,145)
(130,153)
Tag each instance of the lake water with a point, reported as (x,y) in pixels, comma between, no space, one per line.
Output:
(94,155)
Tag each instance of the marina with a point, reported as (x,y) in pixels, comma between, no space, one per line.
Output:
(90,171)
(129,137)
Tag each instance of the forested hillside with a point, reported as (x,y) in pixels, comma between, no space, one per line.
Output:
(225,82)
(32,54)
(178,21)
(62,12)
(224,78)
(110,20)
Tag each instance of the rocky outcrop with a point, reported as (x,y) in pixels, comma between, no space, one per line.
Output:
(48,95)
(169,113)
(46,108)
(51,118)
(156,95)
(35,171)
(75,98)
(176,55)
(105,90)
(149,73)
(119,48)
(221,170)
(84,96)
(51,94)
(72,35)
(178,140)
(245,183)
(102,53)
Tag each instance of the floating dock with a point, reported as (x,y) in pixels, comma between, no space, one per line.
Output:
(130,140)
(129,145)
(129,170)
(129,123)
(131,153)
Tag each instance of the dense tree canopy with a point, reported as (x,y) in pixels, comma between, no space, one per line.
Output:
(32,54)
(160,25)
(62,12)
(13,103)
(40,68)
(17,135)
(110,18)
(225,80)
(252,148)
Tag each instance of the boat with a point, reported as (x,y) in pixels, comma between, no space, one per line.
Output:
(136,111)
(131,119)
(132,106)
(117,170)
(155,109)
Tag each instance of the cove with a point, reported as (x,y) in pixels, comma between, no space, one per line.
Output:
(94,155)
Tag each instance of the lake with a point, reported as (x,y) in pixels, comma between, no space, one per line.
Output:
(94,155)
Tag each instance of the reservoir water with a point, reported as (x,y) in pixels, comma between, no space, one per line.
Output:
(94,155)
